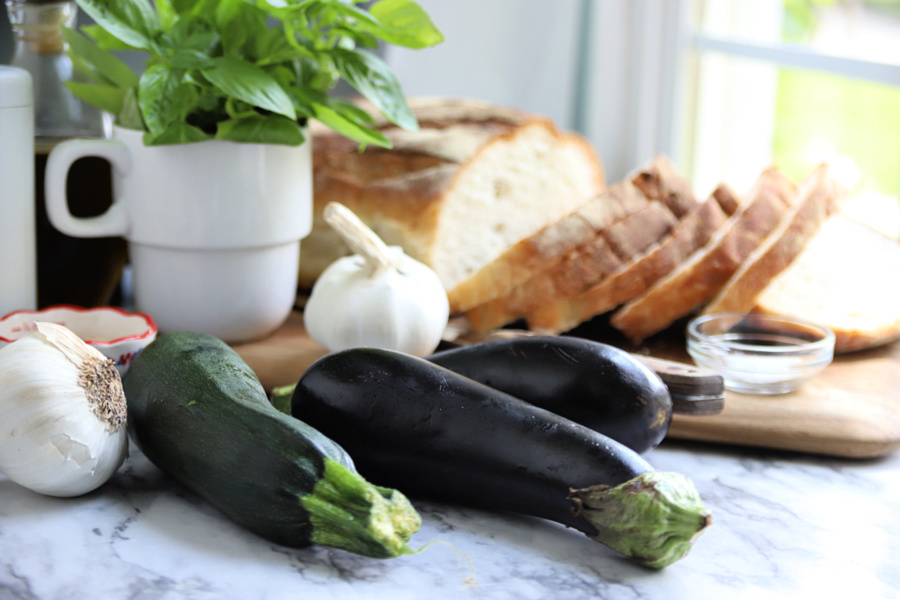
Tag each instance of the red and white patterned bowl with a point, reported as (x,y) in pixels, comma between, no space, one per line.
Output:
(118,334)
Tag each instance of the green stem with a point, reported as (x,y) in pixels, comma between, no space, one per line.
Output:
(652,519)
(349,513)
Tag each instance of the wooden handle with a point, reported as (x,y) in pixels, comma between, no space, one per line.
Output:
(694,391)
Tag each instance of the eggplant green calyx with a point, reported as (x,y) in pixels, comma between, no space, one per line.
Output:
(653,519)
(349,513)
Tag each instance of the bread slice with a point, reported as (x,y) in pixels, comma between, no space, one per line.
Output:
(660,180)
(473,181)
(818,197)
(592,262)
(544,250)
(636,275)
(846,278)
(707,269)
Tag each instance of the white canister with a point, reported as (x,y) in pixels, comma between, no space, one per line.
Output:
(18,269)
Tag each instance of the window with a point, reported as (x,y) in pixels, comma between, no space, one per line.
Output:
(797,82)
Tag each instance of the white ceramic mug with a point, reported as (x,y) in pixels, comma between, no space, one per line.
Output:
(213,228)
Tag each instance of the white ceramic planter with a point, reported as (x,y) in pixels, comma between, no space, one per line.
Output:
(213,228)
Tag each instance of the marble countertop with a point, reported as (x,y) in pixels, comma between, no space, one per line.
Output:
(786,526)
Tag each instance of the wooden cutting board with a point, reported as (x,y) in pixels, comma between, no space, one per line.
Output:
(852,409)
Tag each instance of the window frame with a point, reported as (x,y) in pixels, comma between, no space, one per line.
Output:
(685,143)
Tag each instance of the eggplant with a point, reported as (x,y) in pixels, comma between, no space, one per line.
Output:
(432,433)
(595,384)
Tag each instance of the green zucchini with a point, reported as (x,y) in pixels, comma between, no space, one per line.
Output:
(200,414)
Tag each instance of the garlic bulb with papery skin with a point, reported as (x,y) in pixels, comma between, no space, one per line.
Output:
(377,298)
(62,413)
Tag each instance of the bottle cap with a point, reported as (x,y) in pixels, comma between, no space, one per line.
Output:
(16,88)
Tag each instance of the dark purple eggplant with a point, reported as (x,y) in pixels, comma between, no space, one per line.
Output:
(432,433)
(594,384)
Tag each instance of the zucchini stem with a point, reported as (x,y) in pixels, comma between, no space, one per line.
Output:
(349,513)
(652,519)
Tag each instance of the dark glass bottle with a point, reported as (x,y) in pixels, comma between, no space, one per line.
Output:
(78,271)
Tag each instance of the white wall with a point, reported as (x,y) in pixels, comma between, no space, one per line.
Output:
(519,53)
(604,68)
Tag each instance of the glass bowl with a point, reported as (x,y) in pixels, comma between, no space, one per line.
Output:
(760,354)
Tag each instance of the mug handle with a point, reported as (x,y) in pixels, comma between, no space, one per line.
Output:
(113,222)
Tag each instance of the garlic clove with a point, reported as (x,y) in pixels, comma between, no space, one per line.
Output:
(62,413)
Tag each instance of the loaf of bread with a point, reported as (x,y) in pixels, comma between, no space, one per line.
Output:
(475,180)
(846,278)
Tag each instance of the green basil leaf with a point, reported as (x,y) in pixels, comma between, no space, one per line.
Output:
(228,10)
(104,66)
(184,6)
(132,21)
(403,23)
(163,98)
(130,114)
(371,77)
(271,47)
(167,14)
(176,133)
(193,33)
(104,39)
(349,128)
(190,59)
(352,111)
(259,129)
(104,97)
(245,81)
(242,23)
(358,16)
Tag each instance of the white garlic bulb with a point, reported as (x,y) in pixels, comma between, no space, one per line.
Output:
(62,413)
(379,297)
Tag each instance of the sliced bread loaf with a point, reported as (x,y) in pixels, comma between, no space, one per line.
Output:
(847,278)
(706,270)
(818,197)
(617,242)
(566,265)
(473,181)
(544,250)
(636,275)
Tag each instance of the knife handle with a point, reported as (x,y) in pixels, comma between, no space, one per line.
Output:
(694,390)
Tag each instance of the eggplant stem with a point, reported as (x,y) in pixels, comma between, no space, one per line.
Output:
(652,519)
(358,236)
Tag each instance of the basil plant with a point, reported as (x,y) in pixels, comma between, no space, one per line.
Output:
(245,70)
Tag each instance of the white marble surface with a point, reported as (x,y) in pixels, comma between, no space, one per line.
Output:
(786,526)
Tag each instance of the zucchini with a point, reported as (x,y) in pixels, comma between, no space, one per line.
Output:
(436,434)
(595,384)
(198,412)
